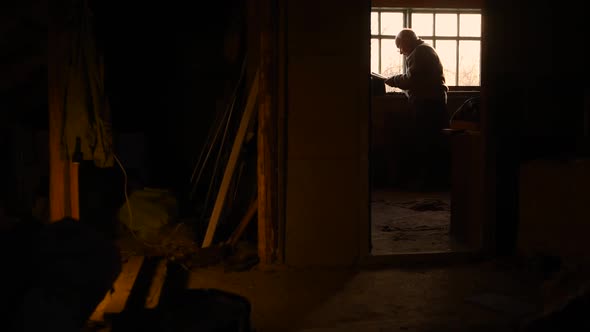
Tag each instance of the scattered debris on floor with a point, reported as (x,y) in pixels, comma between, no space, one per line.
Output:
(177,244)
(174,241)
(150,226)
(428,204)
(147,211)
(406,222)
(243,257)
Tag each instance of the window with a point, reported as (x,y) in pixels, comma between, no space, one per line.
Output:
(454,33)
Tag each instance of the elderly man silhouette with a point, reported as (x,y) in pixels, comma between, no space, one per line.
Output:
(425,87)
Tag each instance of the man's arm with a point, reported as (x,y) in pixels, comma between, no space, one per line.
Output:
(391,81)
(403,81)
(418,64)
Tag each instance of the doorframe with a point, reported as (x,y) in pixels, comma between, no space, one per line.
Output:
(487,213)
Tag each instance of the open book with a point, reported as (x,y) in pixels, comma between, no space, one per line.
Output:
(379,76)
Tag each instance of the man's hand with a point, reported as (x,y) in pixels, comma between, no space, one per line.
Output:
(391,81)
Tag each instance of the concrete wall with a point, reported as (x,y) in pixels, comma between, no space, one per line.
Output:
(327,133)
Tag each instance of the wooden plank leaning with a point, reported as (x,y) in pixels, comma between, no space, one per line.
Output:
(231,164)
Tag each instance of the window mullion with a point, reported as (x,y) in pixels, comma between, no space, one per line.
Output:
(379,41)
(407,18)
(457,52)
(407,24)
(434,29)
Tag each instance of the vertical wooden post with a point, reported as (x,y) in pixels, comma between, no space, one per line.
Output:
(63,175)
(55,71)
(281,131)
(267,177)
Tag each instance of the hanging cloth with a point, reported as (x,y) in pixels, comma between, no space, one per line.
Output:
(87,119)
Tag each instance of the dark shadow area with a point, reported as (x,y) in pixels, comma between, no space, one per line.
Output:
(181,309)
(451,185)
(55,274)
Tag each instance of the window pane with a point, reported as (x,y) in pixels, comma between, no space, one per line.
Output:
(470,25)
(423,24)
(447,51)
(391,61)
(469,60)
(391,23)
(375,55)
(374,23)
(461,58)
(446,25)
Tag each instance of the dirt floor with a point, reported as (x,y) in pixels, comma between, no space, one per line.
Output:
(410,222)
(493,295)
(480,296)
(477,297)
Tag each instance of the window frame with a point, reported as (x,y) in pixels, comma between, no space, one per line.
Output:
(407,22)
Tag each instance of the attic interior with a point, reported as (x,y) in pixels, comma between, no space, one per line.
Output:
(95,241)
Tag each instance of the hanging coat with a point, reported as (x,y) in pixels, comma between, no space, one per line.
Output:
(87,120)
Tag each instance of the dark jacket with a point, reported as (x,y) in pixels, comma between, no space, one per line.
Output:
(424,78)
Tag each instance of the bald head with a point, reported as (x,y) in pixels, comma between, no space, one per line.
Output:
(406,40)
(407,35)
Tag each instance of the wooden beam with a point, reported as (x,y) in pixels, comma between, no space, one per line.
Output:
(281,120)
(231,164)
(63,174)
(155,292)
(115,302)
(58,168)
(470,4)
(266,149)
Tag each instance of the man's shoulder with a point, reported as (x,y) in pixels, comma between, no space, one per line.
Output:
(425,47)
(424,51)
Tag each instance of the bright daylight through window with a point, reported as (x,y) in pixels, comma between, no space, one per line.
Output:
(456,35)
